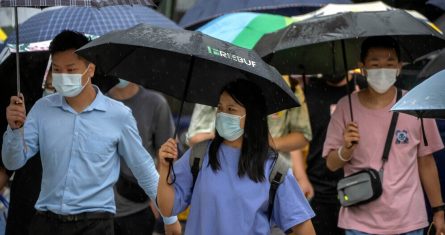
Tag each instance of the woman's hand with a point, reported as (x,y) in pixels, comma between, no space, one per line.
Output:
(169,150)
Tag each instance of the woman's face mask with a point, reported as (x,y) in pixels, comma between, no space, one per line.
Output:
(228,126)
(380,80)
(69,85)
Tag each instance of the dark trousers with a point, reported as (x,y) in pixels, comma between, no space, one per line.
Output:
(326,217)
(44,225)
(139,223)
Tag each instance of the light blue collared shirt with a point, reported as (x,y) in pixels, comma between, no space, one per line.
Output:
(80,153)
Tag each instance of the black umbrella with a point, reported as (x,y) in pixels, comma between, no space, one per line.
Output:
(426,100)
(331,44)
(185,64)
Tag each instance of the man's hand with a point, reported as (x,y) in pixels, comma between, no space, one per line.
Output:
(173,229)
(15,112)
(439,223)
(351,136)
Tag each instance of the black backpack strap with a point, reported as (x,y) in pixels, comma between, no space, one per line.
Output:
(197,154)
(391,130)
(276,177)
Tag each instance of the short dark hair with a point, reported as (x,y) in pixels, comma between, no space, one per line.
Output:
(67,40)
(255,149)
(386,42)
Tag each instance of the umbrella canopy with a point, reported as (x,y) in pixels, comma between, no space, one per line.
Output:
(44,3)
(316,45)
(185,64)
(332,9)
(436,64)
(205,10)
(426,100)
(95,21)
(244,29)
(81,3)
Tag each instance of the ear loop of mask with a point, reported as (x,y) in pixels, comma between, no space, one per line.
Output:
(45,76)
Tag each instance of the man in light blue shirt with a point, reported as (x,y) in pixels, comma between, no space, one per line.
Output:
(80,134)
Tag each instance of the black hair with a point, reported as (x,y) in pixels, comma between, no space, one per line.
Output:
(255,147)
(386,42)
(67,40)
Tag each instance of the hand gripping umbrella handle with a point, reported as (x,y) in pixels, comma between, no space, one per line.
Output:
(170,169)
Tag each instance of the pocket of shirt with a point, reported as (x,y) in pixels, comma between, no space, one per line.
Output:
(99,149)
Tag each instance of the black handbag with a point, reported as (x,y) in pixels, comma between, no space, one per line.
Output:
(366,185)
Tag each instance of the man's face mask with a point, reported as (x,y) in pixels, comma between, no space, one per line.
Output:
(228,126)
(122,83)
(69,85)
(380,80)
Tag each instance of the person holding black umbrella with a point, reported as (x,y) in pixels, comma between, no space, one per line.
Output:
(359,144)
(81,135)
(231,192)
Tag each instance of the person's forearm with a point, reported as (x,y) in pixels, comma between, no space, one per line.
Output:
(430,180)
(333,160)
(200,137)
(166,193)
(290,142)
(305,228)
(298,165)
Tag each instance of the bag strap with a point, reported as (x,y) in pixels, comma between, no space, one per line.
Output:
(197,154)
(391,130)
(276,177)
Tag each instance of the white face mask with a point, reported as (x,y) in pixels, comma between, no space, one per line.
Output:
(69,85)
(380,80)
(122,83)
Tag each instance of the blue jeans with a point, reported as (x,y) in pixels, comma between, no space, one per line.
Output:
(355,232)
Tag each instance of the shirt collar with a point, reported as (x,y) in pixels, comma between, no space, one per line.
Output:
(99,103)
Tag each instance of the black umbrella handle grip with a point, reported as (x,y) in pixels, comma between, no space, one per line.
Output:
(170,169)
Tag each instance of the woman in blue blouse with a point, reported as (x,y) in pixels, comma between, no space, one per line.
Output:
(231,193)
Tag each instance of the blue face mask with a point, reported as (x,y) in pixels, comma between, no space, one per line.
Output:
(122,83)
(228,126)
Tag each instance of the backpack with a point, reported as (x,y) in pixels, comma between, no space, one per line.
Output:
(276,177)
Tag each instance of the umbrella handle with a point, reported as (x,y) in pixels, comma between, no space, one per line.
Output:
(170,169)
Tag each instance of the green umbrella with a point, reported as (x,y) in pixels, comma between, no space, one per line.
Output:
(244,29)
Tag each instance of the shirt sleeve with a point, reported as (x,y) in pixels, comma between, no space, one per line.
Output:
(183,184)
(19,145)
(203,120)
(433,138)
(334,135)
(290,206)
(139,160)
